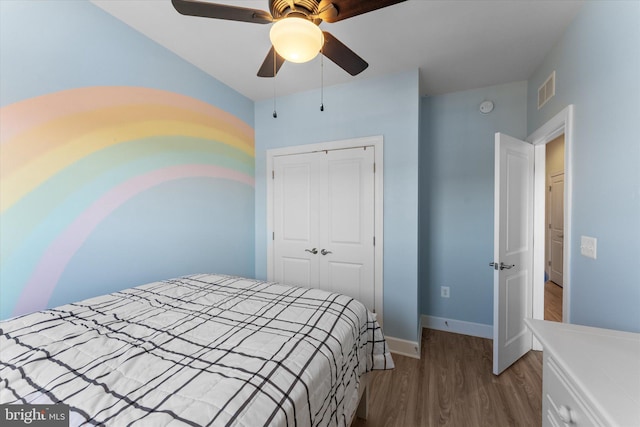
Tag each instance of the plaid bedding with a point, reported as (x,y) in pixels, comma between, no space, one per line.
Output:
(198,350)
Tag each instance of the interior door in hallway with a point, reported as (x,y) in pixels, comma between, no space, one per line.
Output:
(556,227)
(324,221)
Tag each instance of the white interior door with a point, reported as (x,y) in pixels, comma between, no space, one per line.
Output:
(556,227)
(347,224)
(513,250)
(324,221)
(295,228)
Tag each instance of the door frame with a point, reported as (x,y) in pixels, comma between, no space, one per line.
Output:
(377,143)
(561,123)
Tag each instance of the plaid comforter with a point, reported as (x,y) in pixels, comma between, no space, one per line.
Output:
(198,350)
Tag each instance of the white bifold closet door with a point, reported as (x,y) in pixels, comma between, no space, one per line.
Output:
(324,221)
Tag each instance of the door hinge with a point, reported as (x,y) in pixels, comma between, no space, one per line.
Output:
(549,189)
(374,240)
(549,226)
(273,235)
(273,174)
(549,263)
(374,167)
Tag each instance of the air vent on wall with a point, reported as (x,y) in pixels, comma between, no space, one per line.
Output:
(547,90)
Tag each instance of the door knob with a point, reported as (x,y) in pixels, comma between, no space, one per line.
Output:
(505,266)
(325,252)
(313,251)
(501,266)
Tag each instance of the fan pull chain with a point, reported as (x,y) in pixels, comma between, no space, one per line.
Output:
(275,59)
(321,80)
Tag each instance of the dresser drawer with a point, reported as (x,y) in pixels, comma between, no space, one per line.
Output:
(562,405)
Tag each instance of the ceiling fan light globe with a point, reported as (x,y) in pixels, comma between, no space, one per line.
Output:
(296,39)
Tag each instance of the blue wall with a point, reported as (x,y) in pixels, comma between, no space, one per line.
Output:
(48,46)
(387,106)
(456,197)
(597,64)
(121,163)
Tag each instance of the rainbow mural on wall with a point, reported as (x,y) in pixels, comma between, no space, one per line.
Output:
(69,159)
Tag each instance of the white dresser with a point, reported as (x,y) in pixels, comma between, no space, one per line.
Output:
(591,376)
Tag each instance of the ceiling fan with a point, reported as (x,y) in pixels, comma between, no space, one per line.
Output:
(295,26)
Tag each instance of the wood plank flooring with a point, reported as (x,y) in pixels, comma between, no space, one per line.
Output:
(452,385)
(552,302)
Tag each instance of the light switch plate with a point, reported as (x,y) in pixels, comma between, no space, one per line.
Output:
(588,246)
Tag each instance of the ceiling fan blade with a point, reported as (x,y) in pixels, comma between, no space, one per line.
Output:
(220,11)
(344,57)
(267,69)
(350,8)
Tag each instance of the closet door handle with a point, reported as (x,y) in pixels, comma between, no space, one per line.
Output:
(313,251)
(325,252)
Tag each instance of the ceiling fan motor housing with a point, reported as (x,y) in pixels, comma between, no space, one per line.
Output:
(282,8)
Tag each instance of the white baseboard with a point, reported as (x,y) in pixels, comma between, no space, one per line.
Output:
(457,326)
(403,347)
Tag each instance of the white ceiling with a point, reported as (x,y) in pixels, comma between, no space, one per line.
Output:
(457,45)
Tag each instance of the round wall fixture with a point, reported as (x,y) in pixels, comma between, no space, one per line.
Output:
(486,107)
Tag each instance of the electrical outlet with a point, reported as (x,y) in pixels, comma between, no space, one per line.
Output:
(444,291)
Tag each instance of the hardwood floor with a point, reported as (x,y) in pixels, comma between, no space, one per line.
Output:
(552,302)
(452,385)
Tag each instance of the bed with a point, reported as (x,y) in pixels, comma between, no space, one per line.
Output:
(198,350)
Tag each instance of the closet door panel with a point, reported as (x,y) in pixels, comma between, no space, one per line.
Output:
(347,223)
(296,220)
(324,221)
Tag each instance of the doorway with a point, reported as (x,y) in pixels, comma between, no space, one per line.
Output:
(560,124)
(554,233)
(323,234)
(374,145)
(529,302)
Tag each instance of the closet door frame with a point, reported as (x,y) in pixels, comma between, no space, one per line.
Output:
(376,142)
